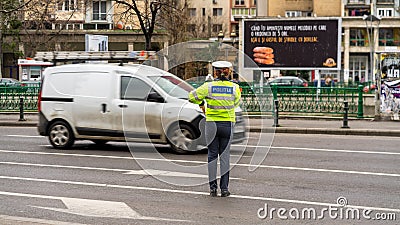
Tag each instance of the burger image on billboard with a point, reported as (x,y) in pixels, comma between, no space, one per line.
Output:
(263,55)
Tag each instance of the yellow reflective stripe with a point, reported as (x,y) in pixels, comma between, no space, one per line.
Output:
(220,106)
(195,95)
(230,98)
(209,90)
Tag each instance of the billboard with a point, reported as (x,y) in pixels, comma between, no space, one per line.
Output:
(390,65)
(390,98)
(292,43)
(96,43)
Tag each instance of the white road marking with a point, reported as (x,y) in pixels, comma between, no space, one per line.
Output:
(168,173)
(325,170)
(323,150)
(149,172)
(92,208)
(203,162)
(25,136)
(179,192)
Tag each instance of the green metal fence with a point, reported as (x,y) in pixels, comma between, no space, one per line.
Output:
(324,100)
(10,98)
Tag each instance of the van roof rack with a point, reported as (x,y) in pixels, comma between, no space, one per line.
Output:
(82,56)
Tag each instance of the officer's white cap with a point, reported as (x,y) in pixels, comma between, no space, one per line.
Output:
(221,64)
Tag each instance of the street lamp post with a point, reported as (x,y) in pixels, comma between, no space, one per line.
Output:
(220,37)
(371,19)
(234,38)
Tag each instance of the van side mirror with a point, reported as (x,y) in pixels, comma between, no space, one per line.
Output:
(155,97)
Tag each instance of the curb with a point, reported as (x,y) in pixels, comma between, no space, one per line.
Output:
(343,131)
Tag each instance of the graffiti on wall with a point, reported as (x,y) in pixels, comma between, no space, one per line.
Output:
(390,98)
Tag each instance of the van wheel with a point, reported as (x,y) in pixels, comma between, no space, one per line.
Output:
(60,135)
(100,142)
(181,138)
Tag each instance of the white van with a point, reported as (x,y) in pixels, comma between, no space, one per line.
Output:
(105,102)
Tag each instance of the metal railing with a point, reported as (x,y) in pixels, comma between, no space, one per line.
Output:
(323,100)
(10,98)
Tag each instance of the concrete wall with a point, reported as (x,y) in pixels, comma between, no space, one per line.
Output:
(279,7)
(369,105)
(327,8)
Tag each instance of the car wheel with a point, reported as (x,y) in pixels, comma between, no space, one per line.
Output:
(100,142)
(181,138)
(61,135)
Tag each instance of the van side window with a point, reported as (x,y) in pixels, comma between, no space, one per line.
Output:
(134,89)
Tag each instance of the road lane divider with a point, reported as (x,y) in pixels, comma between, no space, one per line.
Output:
(124,171)
(24,136)
(237,164)
(323,150)
(175,191)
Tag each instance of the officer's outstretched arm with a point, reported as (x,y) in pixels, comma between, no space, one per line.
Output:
(197,96)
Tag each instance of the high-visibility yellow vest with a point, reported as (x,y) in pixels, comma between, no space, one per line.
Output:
(222,97)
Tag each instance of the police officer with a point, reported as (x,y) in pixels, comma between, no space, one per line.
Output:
(221,98)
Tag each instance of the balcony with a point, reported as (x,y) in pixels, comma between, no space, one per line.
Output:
(356,2)
(385,1)
(389,42)
(361,42)
(243,12)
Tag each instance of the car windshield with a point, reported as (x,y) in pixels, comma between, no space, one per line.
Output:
(173,86)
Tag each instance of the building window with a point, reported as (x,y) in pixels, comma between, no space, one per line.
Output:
(358,12)
(385,12)
(386,37)
(203,28)
(358,69)
(357,1)
(293,13)
(100,10)
(192,12)
(67,5)
(216,28)
(358,37)
(239,2)
(217,11)
(203,11)
(385,1)
(191,27)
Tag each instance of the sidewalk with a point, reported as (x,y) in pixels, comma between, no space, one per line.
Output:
(319,125)
(300,125)
(12,119)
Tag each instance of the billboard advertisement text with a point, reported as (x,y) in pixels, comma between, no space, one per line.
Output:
(293,44)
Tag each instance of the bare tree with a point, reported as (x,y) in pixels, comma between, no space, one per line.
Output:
(174,19)
(9,26)
(146,12)
(43,25)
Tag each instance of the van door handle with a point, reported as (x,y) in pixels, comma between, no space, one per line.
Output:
(123,106)
(103,108)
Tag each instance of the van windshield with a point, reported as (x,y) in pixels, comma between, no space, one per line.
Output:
(173,86)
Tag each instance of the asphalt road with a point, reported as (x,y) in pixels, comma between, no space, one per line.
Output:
(106,185)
